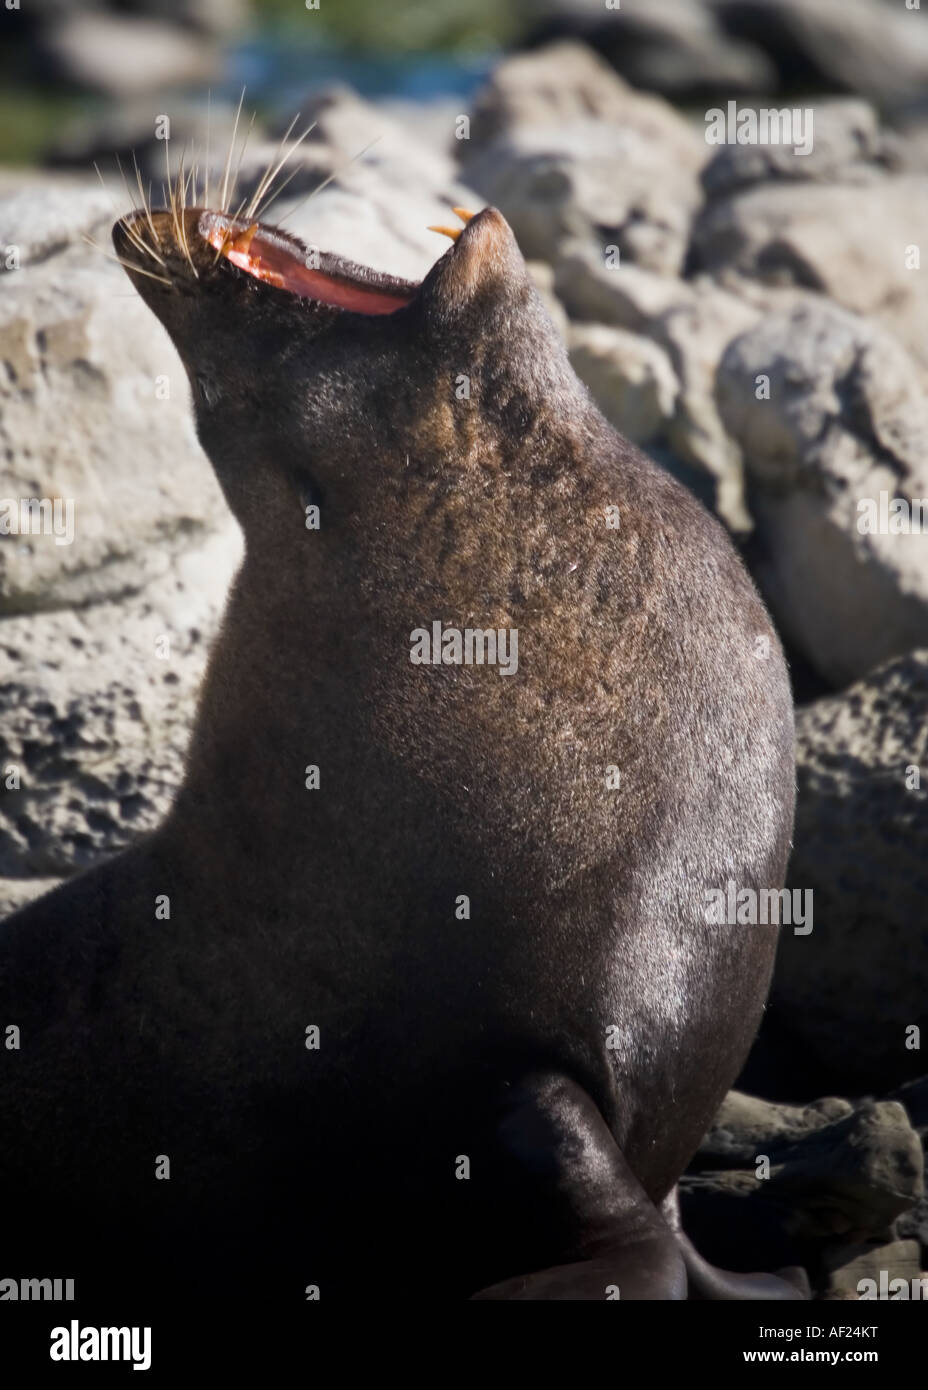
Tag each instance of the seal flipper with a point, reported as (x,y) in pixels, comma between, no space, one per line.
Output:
(568,1178)
(643,1271)
(706,1281)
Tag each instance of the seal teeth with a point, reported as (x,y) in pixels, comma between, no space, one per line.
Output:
(243,241)
(453,232)
(464,215)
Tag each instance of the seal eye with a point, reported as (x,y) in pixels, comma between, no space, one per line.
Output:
(206,389)
(308,490)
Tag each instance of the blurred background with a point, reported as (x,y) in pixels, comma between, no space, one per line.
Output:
(754,319)
(68,63)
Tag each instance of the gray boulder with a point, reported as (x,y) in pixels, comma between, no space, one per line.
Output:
(597,161)
(878,50)
(848,994)
(878,1263)
(846,422)
(97,704)
(691,323)
(848,146)
(630,378)
(778,1184)
(94,411)
(851,242)
(677,48)
(118,55)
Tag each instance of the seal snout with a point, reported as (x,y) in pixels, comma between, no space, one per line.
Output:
(158,247)
(485,256)
(140,251)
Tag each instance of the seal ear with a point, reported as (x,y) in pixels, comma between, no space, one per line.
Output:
(485,260)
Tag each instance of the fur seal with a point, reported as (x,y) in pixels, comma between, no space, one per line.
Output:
(415,982)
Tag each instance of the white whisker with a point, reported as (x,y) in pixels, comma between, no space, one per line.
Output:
(256,196)
(127,265)
(325,182)
(209,102)
(138,241)
(260,202)
(146,202)
(241,156)
(225,176)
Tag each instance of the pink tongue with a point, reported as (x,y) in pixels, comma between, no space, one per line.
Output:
(267,263)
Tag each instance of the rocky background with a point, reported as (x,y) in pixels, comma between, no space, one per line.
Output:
(679,273)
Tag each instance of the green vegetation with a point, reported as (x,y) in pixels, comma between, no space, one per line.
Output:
(31,118)
(400,25)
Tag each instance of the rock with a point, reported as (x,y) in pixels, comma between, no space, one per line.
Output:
(372,205)
(695,333)
(17,892)
(119,55)
(128,130)
(47,215)
(97,713)
(558,84)
(848,146)
(845,422)
(746,1125)
(342,136)
(631,379)
(911,139)
(345,124)
(856,1175)
(913,1225)
(846,994)
(846,241)
(361,215)
(219,17)
(597,162)
(433,122)
(594,287)
(914,1096)
(377,203)
(838,1175)
(880,51)
(543,278)
(94,410)
(677,49)
(692,323)
(866,1269)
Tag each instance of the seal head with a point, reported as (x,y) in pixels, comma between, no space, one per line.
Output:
(313,361)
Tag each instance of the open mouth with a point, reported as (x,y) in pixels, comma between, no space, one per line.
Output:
(281,260)
(145,238)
